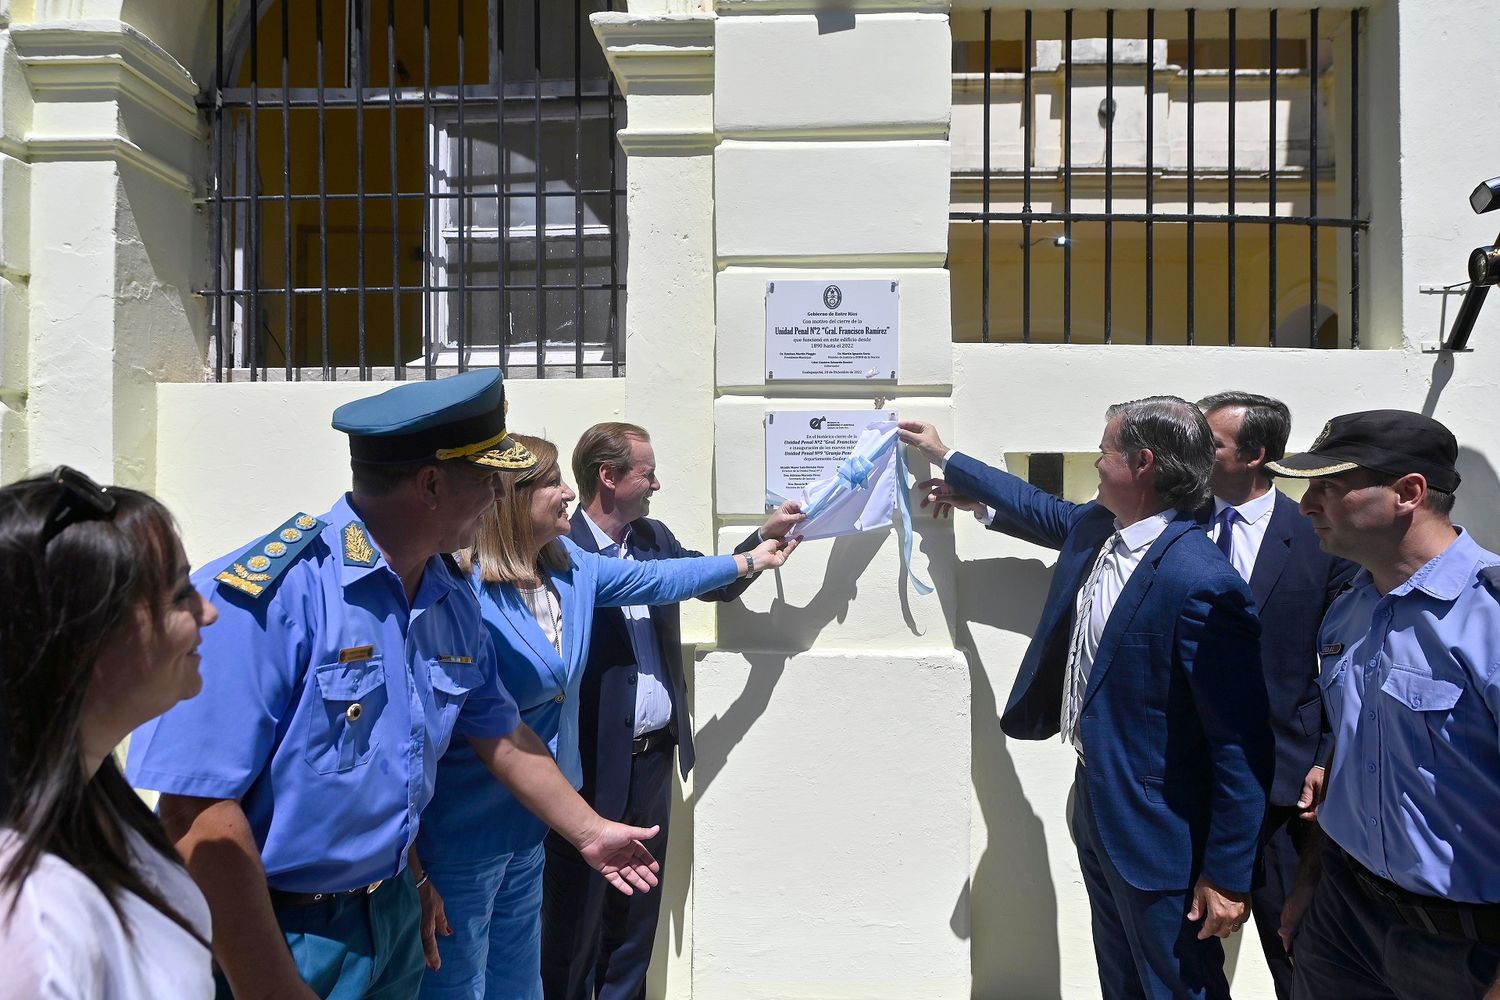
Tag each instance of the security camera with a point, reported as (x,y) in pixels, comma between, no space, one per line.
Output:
(1484,268)
(1486,197)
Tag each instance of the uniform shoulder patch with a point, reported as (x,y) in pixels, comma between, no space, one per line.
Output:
(264,562)
(359,550)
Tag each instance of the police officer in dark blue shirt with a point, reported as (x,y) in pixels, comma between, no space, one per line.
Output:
(349,653)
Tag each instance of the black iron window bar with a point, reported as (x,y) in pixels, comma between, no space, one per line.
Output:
(1311,222)
(517,105)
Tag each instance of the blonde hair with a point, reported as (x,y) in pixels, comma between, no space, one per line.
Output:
(501,547)
(601,445)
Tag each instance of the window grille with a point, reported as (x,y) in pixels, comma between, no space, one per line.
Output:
(1157,177)
(405,190)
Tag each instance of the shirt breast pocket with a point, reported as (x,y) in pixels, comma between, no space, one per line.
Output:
(1331,675)
(342,713)
(1427,710)
(452,683)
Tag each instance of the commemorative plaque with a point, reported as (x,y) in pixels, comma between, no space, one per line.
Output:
(820,330)
(803,446)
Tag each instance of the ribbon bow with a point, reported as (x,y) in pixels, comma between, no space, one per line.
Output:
(853,473)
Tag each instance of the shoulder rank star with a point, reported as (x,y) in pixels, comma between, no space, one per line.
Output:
(358,551)
(271,557)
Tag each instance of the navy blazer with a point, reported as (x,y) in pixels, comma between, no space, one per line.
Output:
(1293,582)
(1174,715)
(606,708)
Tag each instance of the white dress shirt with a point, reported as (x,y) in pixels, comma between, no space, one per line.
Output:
(653,702)
(1119,565)
(1248,532)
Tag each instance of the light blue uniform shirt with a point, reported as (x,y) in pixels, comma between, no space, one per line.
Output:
(332,793)
(1411,684)
(472,815)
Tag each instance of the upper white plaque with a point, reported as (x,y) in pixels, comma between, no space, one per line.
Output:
(832,330)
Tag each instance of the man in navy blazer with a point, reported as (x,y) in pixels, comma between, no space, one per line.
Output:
(1293,581)
(633,709)
(1147,661)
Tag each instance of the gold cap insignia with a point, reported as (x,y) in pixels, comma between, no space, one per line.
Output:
(1322,436)
(517,456)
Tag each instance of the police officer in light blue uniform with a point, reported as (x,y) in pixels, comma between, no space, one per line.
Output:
(1407,897)
(350,653)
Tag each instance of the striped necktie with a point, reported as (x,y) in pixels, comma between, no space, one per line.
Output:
(1073,691)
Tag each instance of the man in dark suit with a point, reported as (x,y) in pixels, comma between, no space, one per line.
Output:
(633,710)
(1271,545)
(1146,660)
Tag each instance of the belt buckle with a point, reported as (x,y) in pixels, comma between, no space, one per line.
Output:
(373,886)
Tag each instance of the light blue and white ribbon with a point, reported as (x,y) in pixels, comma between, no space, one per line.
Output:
(877,464)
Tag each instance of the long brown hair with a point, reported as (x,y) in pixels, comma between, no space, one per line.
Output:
(66,596)
(502,547)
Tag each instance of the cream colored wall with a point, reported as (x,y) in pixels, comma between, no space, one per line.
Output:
(858,824)
(833,716)
(234,461)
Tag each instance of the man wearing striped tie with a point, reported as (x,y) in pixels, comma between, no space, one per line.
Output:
(1147,662)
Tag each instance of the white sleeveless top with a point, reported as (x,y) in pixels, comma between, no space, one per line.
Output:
(64,940)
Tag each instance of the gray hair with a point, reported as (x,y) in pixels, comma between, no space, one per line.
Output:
(1179,437)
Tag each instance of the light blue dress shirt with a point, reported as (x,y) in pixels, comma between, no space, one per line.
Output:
(653,702)
(1411,683)
(474,816)
(332,791)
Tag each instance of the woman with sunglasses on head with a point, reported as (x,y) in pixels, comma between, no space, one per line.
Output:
(480,849)
(99,634)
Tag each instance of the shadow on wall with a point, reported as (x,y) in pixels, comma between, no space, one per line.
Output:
(1008,910)
(792,630)
(1477,504)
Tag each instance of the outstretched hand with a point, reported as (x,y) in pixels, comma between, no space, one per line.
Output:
(773,553)
(921,435)
(782,519)
(944,498)
(616,852)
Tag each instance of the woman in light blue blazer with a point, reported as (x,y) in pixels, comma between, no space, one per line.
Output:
(479,850)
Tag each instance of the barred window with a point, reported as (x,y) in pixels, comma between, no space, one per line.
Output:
(403,190)
(1157,177)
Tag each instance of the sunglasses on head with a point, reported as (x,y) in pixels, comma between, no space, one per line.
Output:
(79,499)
